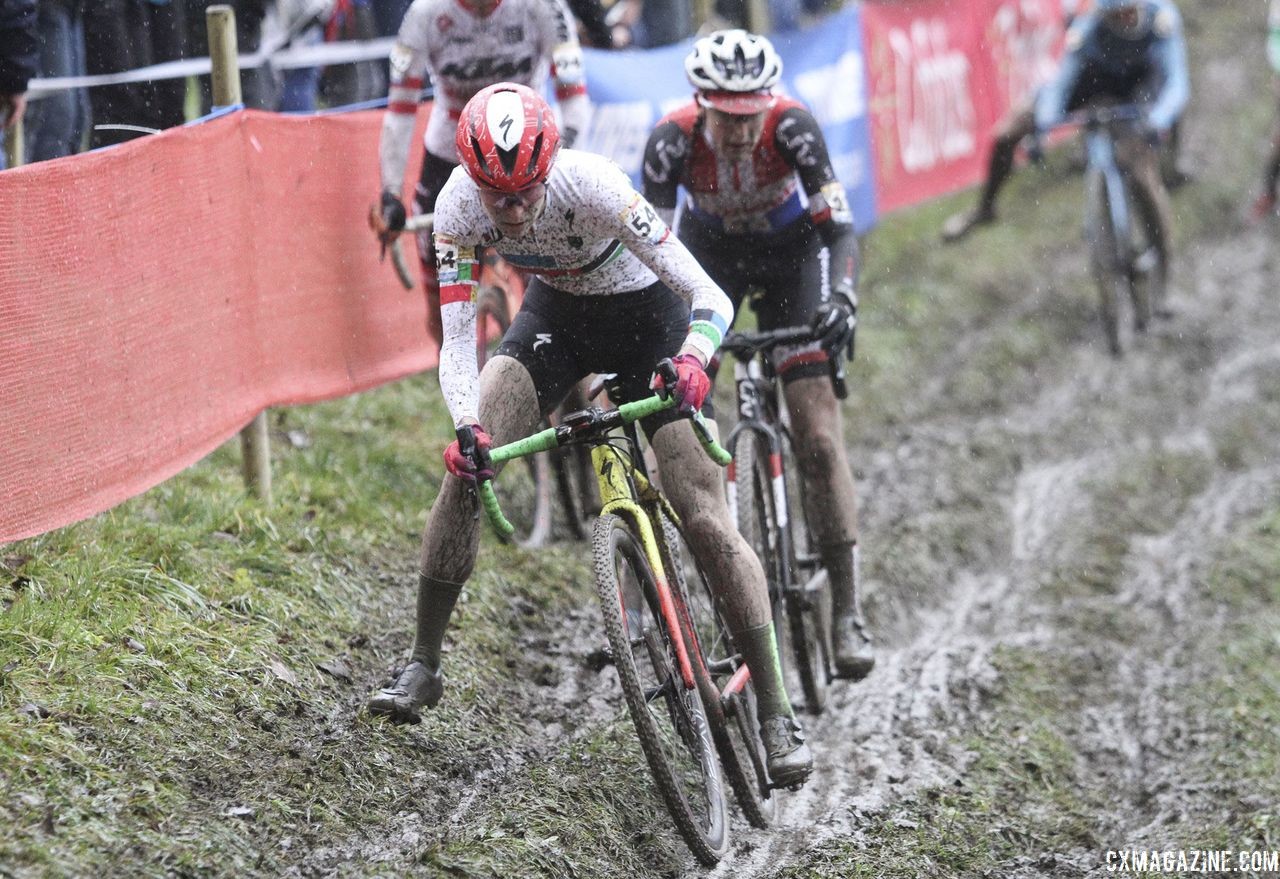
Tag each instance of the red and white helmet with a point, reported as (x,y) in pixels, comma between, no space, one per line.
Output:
(507,137)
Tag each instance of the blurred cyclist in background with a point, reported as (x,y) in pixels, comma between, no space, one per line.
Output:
(1116,49)
(1265,204)
(611,290)
(744,155)
(1129,52)
(464,46)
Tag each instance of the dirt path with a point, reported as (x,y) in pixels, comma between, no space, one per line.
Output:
(1048,474)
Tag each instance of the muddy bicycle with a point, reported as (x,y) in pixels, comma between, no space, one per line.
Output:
(687,689)
(766,501)
(564,475)
(1123,256)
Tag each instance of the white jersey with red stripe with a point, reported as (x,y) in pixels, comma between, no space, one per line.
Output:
(596,236)
(520,41)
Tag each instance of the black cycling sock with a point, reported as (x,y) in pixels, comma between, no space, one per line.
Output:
(841,562)
(998,172)
(436,599)
(759,646)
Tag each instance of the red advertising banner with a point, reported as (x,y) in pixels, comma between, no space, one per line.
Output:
(157,295)
(942,75)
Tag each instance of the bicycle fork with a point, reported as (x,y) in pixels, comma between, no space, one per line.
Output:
(1102,157)
(618,497)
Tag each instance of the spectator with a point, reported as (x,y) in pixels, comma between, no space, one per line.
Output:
(649,23)
(593,29)
(343,84)
(56,123)
(303,21)
(18,59)
(125,35)
(387,15)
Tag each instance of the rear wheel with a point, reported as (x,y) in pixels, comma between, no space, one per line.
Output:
(735,723)
(669,717)
(526,484)
(811,595)
(796,621)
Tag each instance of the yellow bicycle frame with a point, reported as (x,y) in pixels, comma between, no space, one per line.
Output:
(622,491)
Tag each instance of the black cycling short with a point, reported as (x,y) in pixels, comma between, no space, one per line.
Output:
(563,337)
(788,270)
(1098,85)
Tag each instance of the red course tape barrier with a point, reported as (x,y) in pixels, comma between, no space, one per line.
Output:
(155,296)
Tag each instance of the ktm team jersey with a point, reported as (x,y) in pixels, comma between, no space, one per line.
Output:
(596,236)
(520,41)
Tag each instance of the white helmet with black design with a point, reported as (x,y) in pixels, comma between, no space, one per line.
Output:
(734,71)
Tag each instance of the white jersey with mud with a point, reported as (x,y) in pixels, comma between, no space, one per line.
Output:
(596,236)
(520,41)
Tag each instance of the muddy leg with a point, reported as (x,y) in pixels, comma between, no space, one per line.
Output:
(508,409)
(831,508)
(697,493)
(694,485)
(1156,211)
(1017,125)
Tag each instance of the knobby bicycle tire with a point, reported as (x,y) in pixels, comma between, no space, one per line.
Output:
(800,638)
(814,603)
(676,737)
(1110,263)
(528,495)
(735,723)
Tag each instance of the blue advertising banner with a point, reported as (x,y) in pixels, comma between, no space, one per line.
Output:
(822,66)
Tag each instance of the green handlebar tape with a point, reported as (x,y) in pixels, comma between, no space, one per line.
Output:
(714,450)
(542,441)
(490,502)
(644,408)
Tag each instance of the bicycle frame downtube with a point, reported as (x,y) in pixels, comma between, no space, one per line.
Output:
(617,498)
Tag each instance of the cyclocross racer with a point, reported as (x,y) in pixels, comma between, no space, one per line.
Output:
(612,290)
(465,45)
(1128,51)
(744,155)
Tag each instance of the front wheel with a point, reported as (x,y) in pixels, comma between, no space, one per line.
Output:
(735,723)
(669,716)
(1111,263)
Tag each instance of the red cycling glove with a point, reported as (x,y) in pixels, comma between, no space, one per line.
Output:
(691,387)
(467,457)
